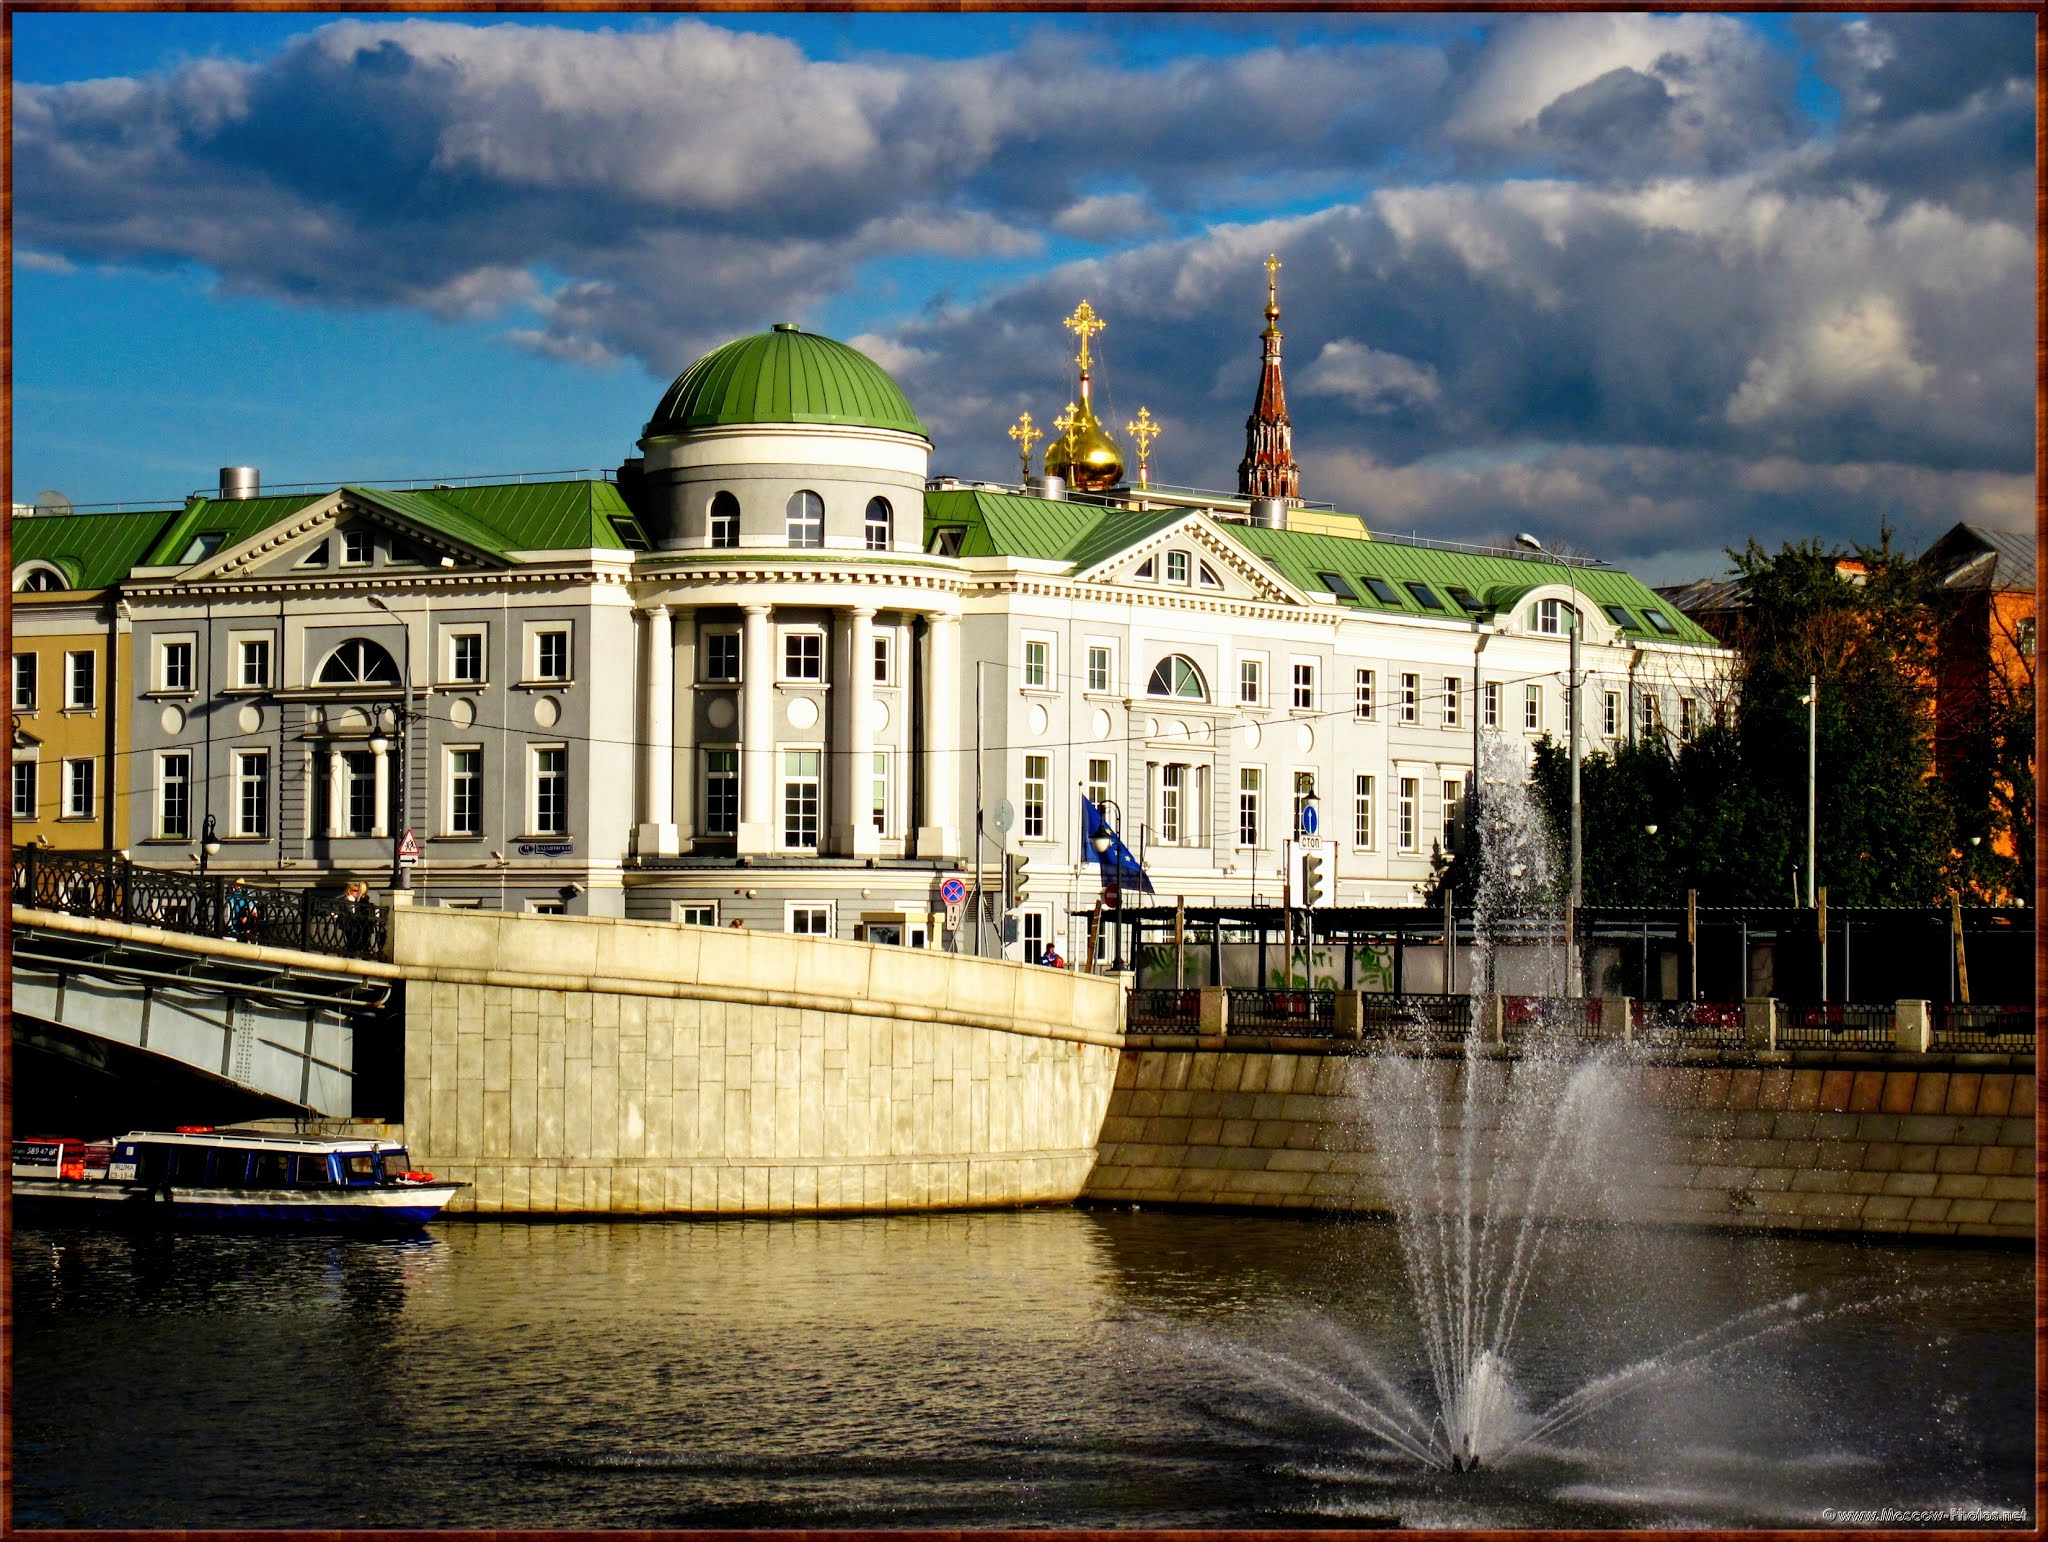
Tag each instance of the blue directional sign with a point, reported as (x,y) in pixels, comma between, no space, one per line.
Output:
(1309,821)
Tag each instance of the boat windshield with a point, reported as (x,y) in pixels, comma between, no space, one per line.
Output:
(396,1163)
(359,1167)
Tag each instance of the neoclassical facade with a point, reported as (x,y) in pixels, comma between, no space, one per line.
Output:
(775,675)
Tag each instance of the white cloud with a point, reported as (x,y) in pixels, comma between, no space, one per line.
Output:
(1370,380)
(1858,348)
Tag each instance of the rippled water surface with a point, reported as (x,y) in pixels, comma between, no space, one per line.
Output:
(1057,1367)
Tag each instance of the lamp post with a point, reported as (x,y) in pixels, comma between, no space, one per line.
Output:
(209,844)
(1571,922)
(402,716)
(1811,701)
(1102,840)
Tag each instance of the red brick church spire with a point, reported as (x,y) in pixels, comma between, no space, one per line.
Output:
(1268,469)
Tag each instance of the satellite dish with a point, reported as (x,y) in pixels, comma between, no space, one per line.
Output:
(1003,816)
(50,501)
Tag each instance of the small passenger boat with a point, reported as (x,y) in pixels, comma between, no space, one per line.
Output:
(227,1177)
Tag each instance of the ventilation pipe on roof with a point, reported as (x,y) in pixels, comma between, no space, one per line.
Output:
(237,482)
(1269,513)
(1048,487)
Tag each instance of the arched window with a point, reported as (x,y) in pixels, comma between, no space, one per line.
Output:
(725,520)
(806,519)
(881,524)
(39,579)
(1177,676)
(358,662)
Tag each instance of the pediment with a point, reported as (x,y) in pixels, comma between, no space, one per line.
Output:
(1217,566)
(309,544)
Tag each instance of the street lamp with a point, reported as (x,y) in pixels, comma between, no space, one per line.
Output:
(402,716)
(209,844)
(1811,701)
(1530,541)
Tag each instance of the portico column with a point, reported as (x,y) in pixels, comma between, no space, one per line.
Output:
(757,733)
(859,837)
(940,836)
(656,835)
(382,760)
(337,793)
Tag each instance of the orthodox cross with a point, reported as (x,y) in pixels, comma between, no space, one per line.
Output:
(1084,323)
(1273,279)
(1144,431)
(1026,436)
(1066,423)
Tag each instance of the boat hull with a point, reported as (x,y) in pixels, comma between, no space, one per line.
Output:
(104,1201)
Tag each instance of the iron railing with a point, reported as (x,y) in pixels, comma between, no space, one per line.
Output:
(1307,1013)
(109,886)
(1165,1007)
(1835,1025)
(1983,1026)
(1567,1017)
(1689,1024)
(1415,1017)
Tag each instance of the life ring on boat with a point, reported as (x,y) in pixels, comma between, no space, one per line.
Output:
(416,1177)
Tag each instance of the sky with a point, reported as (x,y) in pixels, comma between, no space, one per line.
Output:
(1646,285)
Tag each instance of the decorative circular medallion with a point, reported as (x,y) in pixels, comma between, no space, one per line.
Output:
(1039,720)
(1099,724)
(1304,738)
(1178,730)
(802,712)
(719,712)
(1251,736)
(878,714)
(250,718)
(1151,727)
(546,712)
(174,720)
(461,712)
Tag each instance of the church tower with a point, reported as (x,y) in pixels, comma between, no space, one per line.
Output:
(1268,470)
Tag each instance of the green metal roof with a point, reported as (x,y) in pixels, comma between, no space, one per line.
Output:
(91,550)
(514,516)
(784,376)
(1056,530)
(233,519)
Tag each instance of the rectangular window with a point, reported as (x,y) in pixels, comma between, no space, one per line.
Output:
(810,920)
(252,792)
(1451,790)
(360,808)
(1099,777)
(1411,695)
(1251,681)
(466,792)
(1549,617)
(174,667)
(1037,668)
(878,796)
(1361,697)
(355,547)
(1405,813)
(24,682)
(81,674)
(1304,789)
(1686,717)
(1361,812)
(1649,712)
(1248,789)
(1171,779)
(24,789)
(551,792)
(466,658)
(252,662)
(721,657)
(1098,669)
(1176,567)
(1610,717)
(1305,686)
(803,655)
(877,524)
(698,915)
(721,792)
(883,671)
(1033,922)
(1532,707)
(1037,774)
(78,788)
(725,521)
(1489,710)
(1451,701)
(174,797)
(800,799)
(551,655)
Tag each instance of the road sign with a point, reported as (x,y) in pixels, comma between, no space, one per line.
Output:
(954,892)
(1310,843)
(408,849)
(1309,819)
(1112,896)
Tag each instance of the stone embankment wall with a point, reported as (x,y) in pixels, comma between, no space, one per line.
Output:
(590,1065)
(1788,1140)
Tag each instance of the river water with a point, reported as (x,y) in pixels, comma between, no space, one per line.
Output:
(1056,1367)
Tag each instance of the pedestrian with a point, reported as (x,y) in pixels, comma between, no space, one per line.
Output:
(1051,958)
(356,918)
(241,910)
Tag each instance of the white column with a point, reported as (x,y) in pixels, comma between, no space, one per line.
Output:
(337,793)
(382,761)
(656,835)
(757,733)
(859,838)
(939,836)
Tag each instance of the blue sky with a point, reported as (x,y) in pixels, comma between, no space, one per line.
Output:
(1649,284)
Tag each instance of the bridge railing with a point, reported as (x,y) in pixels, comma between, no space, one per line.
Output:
(109,886)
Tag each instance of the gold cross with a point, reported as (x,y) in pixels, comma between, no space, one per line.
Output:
(1066,423)
(1272,276)
(1026,436)
(1144,431)
(1085,324)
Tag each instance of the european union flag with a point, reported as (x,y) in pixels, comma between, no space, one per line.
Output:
(1118,865)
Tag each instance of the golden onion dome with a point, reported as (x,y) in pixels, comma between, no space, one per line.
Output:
(1086,454)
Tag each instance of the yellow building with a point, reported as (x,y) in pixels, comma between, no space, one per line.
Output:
(69,673)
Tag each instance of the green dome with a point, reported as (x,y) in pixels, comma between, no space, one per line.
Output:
(784,376)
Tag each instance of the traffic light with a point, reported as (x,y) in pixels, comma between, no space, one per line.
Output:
(1016,878)
(1311,880)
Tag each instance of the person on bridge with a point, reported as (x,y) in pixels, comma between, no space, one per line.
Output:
(356,918)
(1051,958)
(241,910)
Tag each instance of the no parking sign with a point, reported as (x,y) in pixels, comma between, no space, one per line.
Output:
(954,892)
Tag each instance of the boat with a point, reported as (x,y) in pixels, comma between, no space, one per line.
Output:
(199,1174)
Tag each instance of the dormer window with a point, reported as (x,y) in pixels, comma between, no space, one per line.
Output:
(1465,600)
(40,580)
(203,545)
(946,540)
(1334,582)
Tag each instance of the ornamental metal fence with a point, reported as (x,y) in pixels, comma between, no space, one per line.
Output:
(107,885)
(1688,1024)
(1307,1014)
(1835,1025)
(1158,1008)
(1416,1017)
(1576,1018)
(1983,1027)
